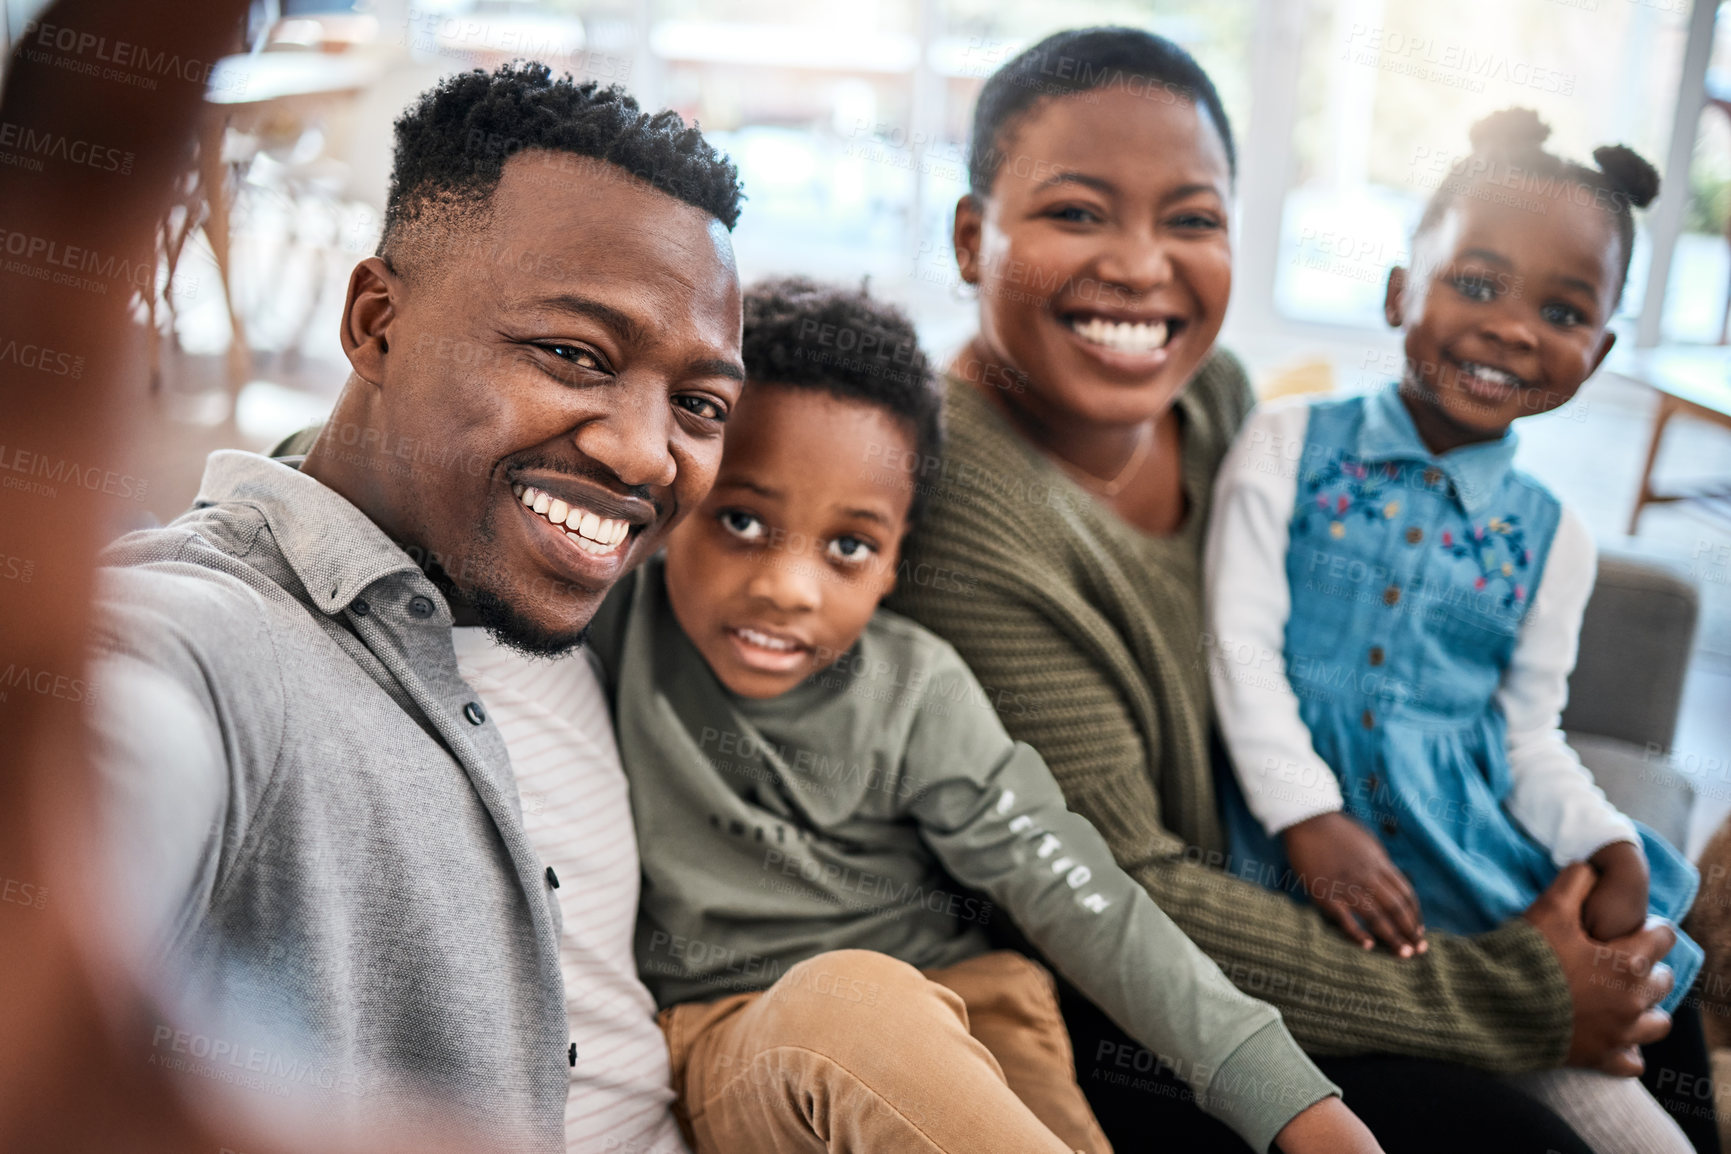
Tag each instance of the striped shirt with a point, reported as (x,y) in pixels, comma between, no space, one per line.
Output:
(554,719)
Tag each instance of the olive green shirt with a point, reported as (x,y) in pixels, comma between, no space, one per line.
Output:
(835,816)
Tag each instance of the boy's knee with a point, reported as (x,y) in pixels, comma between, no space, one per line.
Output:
(850,993)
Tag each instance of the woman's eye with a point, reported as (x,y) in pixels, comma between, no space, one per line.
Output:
(851,550)
(1196,222)
(702,407)
(1562,315)
(1074,214)
(1475,288)
(741,524)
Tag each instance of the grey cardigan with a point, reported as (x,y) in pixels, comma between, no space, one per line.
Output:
(320,831)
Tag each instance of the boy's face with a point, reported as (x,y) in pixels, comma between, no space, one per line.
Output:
(777,573)
(1505,312)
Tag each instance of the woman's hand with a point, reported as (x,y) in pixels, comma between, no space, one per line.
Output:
(1618,904)
(1349,876)
(1614,985)
(1327,1126)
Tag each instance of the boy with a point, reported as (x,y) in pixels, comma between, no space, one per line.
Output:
(807,773)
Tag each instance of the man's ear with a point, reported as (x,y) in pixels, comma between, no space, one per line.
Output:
(965,235)
(1394,299)
(368,313)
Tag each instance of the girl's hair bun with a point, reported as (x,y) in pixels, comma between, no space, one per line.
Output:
(1626,172)
(1511,130)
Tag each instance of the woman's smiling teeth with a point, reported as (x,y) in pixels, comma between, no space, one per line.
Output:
(1122,336)
(589,532)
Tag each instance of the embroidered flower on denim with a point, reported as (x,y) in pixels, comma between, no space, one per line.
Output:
(1342,488)
(1498,549)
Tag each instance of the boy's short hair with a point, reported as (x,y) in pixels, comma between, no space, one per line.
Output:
(803,334)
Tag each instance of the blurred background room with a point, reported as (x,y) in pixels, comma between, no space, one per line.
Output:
(848,120)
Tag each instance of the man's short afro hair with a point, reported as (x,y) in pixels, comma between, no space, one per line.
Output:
(453,142)
(802,334)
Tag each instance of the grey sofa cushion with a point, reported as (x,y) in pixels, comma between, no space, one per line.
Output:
(1641,782)
(1635,641)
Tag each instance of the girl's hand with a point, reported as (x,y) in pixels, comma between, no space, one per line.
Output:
(1618,904)
(1348,875)
(1327,1127)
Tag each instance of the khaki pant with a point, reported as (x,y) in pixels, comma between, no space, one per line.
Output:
(855,1051)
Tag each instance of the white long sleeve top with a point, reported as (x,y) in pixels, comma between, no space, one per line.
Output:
(1553,795)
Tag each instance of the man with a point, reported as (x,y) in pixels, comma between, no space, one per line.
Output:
(318,813)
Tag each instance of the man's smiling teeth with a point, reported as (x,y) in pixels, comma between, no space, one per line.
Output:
(591,533)
(1122,336)
(765,641)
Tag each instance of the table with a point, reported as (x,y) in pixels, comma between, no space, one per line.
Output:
(1692,381)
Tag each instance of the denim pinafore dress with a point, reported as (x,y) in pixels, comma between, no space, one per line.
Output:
(1410,576)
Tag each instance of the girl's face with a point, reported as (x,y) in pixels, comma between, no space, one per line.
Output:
(1505,313)
(1102,254)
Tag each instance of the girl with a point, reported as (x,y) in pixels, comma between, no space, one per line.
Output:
(1396,608)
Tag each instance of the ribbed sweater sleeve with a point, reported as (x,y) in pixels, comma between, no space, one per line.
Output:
(1100,668)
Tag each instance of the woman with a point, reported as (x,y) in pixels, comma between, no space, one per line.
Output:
(1087,418)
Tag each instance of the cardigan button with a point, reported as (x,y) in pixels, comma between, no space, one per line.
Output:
(1375,655)
(420,607)
(473,712)
(360,606)
(552,878)
(1391,595)
(1414,535)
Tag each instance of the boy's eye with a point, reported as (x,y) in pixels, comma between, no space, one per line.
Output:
(1562,315)
(704,407)
(1475,288)
(851,550)
(742,524)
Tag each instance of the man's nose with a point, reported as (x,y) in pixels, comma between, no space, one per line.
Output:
(633,441)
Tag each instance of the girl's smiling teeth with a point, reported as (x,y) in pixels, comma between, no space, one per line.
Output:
(1485,382)
(1121,336)
(588,531)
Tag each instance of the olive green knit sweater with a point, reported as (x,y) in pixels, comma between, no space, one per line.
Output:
(1087,634)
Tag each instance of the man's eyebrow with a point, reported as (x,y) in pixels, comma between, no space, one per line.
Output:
(719,367)
(625,326)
